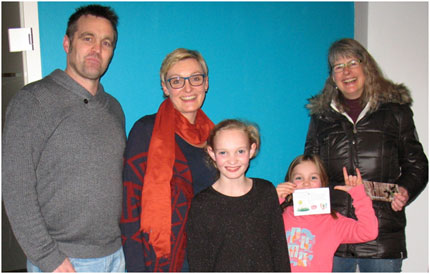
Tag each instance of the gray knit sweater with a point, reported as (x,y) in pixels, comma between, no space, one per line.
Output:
(62,165)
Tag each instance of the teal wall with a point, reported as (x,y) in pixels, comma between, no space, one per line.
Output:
(265,59)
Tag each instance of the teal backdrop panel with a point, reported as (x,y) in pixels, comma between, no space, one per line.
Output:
(265,59)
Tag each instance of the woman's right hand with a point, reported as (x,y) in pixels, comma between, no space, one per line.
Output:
(284,189)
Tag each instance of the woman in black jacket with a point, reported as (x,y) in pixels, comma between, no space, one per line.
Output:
(362,120)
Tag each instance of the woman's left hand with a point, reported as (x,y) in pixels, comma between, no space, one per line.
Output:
(400,199)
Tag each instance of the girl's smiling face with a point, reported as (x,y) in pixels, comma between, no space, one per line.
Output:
(232,152)
(306,175)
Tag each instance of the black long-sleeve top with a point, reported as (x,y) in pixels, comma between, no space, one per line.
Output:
(243,233)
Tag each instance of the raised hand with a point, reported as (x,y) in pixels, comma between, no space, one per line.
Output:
(350,180)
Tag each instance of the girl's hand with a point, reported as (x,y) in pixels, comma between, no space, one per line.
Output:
(284,189)
(350,180)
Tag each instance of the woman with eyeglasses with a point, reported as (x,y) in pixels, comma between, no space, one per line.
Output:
(164,168)
(363,120)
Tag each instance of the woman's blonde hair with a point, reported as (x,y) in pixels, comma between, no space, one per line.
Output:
(375,83)
(179,55)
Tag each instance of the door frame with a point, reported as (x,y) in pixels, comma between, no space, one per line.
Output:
(29,16)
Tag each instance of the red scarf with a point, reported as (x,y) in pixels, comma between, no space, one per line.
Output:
(156,215)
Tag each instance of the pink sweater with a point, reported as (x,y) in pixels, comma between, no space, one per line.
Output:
(313,239)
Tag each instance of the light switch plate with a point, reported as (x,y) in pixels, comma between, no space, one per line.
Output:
(20,39)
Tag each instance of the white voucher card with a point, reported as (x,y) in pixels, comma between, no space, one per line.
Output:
(311,201)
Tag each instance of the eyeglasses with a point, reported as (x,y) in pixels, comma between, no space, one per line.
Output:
(352,64)
(179,82)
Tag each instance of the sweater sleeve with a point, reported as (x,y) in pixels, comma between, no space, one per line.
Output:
(24,138)
(135,159)
(281,259)
(365,228)
(199,245)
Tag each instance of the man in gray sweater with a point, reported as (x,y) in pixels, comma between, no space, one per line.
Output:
(63,144)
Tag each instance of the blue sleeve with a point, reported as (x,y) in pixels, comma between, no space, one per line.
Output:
(135,159)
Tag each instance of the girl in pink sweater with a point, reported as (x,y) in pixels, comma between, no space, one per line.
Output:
(313,239)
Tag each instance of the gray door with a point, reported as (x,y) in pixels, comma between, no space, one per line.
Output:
(13,258)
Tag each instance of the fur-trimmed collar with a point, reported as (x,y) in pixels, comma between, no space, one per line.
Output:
(397,93)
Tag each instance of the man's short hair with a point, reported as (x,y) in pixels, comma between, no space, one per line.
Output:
(95,10)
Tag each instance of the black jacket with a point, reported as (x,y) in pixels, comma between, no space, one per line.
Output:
(384,145)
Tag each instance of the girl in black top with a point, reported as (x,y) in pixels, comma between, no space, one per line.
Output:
(236,224)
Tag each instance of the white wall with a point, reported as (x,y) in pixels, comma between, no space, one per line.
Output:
(396,34)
